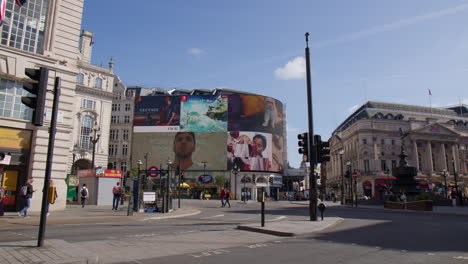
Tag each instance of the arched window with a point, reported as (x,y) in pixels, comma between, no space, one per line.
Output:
(399,117)
(85,131)
(389,116)
(451,122)
(98,83)
(378,116)
(460,123)
(79,78)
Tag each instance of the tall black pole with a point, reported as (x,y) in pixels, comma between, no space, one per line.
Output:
(50,154)
(311,148)
(167,187)
(146,170)
(178,186)
(342,180)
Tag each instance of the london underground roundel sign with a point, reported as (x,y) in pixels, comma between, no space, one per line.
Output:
(153,171)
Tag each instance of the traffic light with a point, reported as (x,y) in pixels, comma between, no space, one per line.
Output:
(322,148)
(303,144)
(38,87)
(182,174)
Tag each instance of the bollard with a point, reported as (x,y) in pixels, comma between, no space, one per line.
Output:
(321,208)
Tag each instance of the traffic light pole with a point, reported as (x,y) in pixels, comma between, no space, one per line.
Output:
(48,170)
(312,155)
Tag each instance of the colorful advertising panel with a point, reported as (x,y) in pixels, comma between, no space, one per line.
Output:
(251,151)
(204,113)
(157,114)
(188,149)
(255,113)
(278,152)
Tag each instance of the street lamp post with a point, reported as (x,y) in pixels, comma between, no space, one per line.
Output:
(235,170)
(146,169)
(445,174)
(168,162)
(140,191)
(455,178)
(341,152)
(203,178)
(245,190)
(96,135)
(350,184)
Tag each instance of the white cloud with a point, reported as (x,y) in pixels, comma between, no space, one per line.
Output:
(353,108)
(196,52)
(294,69)
(292,129)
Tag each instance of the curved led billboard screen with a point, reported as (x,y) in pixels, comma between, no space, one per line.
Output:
(247,130)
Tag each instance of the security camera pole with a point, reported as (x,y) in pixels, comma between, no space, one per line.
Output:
(311,148)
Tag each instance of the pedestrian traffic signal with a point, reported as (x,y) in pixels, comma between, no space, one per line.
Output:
(303,144)
(322,149)
(38,87)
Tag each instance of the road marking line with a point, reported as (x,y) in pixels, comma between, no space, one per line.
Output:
(171,216)
(214,216)
(277,218)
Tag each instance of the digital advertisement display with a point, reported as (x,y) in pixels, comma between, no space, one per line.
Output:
(185,148)
(157,114)
(204,113)
(252,126)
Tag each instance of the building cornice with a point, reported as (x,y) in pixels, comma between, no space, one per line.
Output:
(94,91)
(93,68)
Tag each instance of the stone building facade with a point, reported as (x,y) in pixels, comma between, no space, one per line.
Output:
(47,33)
(368,142)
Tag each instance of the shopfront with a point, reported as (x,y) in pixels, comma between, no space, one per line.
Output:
(15,145)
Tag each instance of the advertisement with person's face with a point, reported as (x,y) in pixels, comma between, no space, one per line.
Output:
(250,151)
(277,155)
(255,113)
(185,149)
(204,113)
(157,114)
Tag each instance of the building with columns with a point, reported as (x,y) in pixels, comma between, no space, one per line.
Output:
(368,142)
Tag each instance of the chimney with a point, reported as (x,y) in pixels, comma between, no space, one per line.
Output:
(86,47)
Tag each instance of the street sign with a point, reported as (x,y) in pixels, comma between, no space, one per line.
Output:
(153,171)
(205,178)
(355,174)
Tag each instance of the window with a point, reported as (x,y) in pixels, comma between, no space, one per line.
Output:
(88,104)
(79,78)
(366,166)
(393,142)
(123,166)
(114,107)
(98,83)
(114,165)
(23,27)
(382,141)
(393,164)
(85,132)
(127,107)
(129,93)
(383,165)
(125,135)
(124,149)
(10,100)
(111,150)
(364,141)
(115,119)
(112,134)
(116,134)
(127,119)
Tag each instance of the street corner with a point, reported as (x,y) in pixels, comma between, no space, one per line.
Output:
(291,228)
(174,214)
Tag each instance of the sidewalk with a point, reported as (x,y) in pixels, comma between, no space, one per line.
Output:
(457,210)
(74,214)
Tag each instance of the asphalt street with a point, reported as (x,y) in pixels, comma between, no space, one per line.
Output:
(364,236)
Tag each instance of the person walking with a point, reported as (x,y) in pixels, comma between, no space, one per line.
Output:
(2,198)
(226,198)
(222,194)
(84,192)
(52,193)
(117,191)
(26,192)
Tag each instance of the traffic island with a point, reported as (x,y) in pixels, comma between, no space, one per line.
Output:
(291,228)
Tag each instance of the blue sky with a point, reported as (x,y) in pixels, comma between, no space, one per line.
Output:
(390,51)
